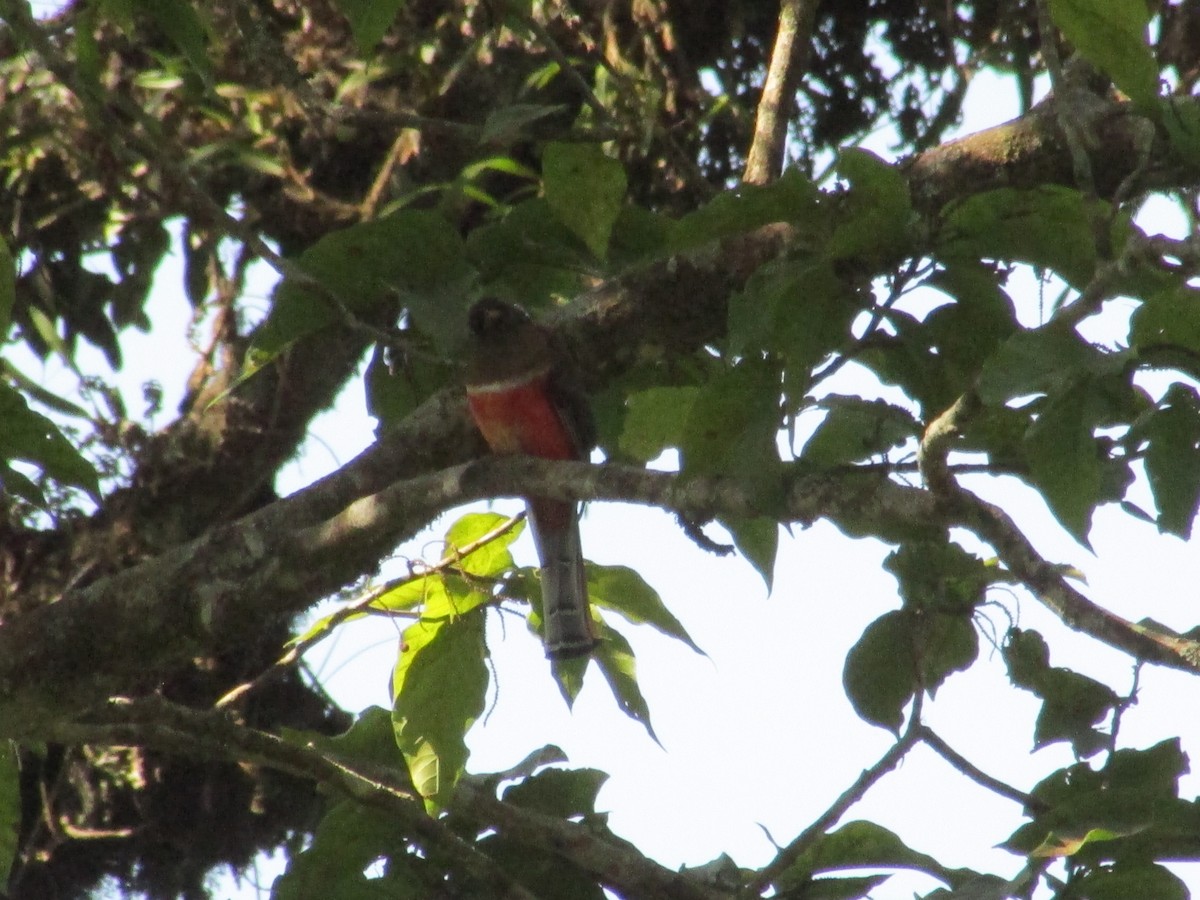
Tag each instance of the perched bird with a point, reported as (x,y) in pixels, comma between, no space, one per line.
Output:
(523,402)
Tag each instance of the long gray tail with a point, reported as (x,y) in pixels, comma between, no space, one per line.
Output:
(565,609)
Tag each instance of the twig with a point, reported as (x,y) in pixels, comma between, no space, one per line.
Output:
(292,656)
(789,57)
(1125,702)
(966,767)
(814,832)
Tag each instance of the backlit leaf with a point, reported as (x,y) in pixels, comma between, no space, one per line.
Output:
(439,685)
(624,591)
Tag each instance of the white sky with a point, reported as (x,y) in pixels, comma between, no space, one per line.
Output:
(760,734)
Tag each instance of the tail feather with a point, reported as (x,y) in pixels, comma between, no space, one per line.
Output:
(565,609)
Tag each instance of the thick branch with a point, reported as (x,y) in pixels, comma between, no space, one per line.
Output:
(108,637)
(1031,151)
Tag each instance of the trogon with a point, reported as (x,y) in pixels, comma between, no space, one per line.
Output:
(524,401)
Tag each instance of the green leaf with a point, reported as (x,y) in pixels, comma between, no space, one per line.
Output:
(619,667)
(855,429)
(939,576)
(181,23)
(1173,459)
(856,845)
(371,739)
(349,837)
(31,437)
(439,684)
(624,591)
(877,211)
(1072,704)
(1064,460)
(1041,361)
(1132,881)
(369,20)
(493,557)
(562,793)
(792,198)
(1168,317)
(638,236)
(1180,119)
(731,429)
(798,310)
(395,390)
(880,675)
(418,252)
(586,189)
(1046,226)
(10,807)
(1111,34)
(528,256)
(655,421)
(758,541)
(508,124)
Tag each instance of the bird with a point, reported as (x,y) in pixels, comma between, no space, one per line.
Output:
(524,400)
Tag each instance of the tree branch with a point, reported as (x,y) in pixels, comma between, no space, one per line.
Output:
(789,58)
(619,865)
(208,735)
(814,832)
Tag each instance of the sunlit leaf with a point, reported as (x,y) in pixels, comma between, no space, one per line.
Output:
(616,661)
(492,557)
(439,685)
